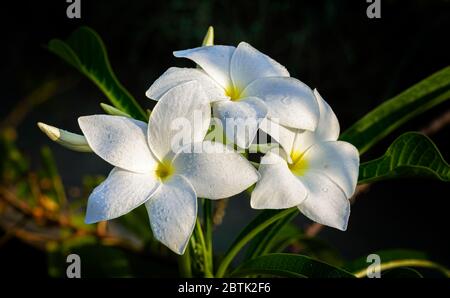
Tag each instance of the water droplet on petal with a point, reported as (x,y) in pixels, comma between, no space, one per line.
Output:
(286,100)
(325,189)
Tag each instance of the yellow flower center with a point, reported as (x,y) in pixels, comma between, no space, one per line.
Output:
(164,170)
(233,92)
(299,164)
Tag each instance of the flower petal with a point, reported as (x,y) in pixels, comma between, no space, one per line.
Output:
(172,211)
(290,102)
(285,136)
(241,119)
(120,193)
(277,188)
(303,140)
(121,141)
(249,64)
(214,60)
(216,171)
(328,127)
(182,116)
(326,202)
(338,160)
(175,76)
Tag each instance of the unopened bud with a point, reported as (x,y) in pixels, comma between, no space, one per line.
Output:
(67,139)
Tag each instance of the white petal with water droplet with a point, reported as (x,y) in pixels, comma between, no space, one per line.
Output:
(328,127)
(120,193)
(175,76)
(249,64)
(338,160)
(121,141)
(326,202)
(182,116)
(214,60)
(173,211)
(290,102)
(277,188)
(216,171)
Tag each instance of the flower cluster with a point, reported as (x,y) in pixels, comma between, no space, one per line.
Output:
(167,165)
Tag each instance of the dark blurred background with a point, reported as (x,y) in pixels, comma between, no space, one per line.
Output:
(355,62)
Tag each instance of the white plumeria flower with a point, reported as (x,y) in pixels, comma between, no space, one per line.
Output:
(319,175)
(148,171)
(244,86)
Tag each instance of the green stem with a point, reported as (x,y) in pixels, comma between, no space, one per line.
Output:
(201,239)
(184,263)
(208,221)
(244,239)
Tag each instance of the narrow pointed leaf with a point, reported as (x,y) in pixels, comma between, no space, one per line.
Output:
(289,265)
(391,114)
(263,243)
(310,246)
(256,226)
(85,51)
(396,258)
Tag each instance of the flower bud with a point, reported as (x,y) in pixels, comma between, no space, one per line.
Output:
(67,139)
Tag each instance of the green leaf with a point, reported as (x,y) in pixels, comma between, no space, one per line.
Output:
(310,246)
(263,243)
(289,265)
(256,226)
(410,155)
(287,235)
(397,258)
(85,51)
(390,115)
